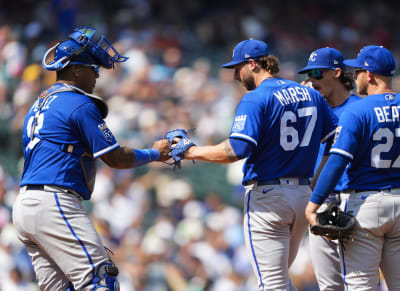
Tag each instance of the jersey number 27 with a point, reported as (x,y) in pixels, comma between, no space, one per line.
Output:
(376,160)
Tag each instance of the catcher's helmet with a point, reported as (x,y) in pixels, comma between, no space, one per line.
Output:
(83,46)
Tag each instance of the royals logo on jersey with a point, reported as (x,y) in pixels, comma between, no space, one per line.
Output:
(239,123)
(337,132)
(106,132)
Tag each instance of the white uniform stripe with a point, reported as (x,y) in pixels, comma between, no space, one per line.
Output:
(341,152)
(328,135)
(343,258)
(107,149)
(251,242)
(246,137)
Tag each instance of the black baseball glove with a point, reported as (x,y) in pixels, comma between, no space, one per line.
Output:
(178,149)
(334,223)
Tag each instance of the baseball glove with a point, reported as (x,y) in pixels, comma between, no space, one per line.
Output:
(178,149)
(334,223)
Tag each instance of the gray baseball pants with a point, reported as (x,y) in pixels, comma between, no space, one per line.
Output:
(375,241)
(60,238)
(274,225)
(325,259)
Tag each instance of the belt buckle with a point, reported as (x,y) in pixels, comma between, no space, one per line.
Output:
(289,180)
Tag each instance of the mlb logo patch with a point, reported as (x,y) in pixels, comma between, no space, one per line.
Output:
(239,123)
(389,97)
(106,132)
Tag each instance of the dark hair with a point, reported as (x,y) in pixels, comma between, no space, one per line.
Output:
(347,80)
(269,63)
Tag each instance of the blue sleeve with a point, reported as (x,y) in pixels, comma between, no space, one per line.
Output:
(348,135)
(248,121)
(241,147)
(92,129)
(329,177)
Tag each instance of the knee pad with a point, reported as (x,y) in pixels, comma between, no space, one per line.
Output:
(106,278)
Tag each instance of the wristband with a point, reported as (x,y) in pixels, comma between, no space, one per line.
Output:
(145,156)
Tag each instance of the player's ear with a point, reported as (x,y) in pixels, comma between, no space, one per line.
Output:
(253,64)
(338,72)
(370,76)
(76,71)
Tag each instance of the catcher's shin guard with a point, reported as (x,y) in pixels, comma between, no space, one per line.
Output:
(106,278)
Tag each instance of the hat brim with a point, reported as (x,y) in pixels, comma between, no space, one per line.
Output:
(230,65)
(352,63)
(313,67)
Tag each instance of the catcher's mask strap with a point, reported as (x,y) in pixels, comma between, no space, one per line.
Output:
(62,62)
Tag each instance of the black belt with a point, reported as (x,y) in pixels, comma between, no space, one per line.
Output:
(277,181)
(35,187)
(41,188)
(349,191)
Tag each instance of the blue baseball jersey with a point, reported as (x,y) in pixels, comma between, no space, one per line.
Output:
(58,129)
(369,136)
(286,122)
(338,111)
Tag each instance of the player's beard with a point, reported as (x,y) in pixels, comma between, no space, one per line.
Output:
(249,83)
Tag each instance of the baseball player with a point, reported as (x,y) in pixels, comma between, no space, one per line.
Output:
(326,72)
(277,127)
(367,143)
(64,133)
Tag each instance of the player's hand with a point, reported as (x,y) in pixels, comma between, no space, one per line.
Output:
(189,152)
(311,212)
(162,145)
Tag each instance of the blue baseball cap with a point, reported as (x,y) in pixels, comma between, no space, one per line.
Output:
(247,49)
(324,58)
(375,59)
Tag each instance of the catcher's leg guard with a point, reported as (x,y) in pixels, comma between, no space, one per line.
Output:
(106,278)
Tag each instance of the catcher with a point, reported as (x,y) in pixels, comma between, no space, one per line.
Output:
(64,134)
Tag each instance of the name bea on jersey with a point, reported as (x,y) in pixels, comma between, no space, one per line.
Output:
(291,95)
(387,113)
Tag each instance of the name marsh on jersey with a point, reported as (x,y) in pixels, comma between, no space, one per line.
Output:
(291,95)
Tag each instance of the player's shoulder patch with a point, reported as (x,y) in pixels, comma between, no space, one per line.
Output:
(44,93)
(337,132)
(239,123)
(106,132)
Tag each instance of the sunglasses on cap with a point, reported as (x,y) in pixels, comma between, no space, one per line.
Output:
(357,71)
(316,74)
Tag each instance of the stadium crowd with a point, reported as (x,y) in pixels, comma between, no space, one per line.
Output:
(169,230)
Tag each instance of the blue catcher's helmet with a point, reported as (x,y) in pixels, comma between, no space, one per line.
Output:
(83,46)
